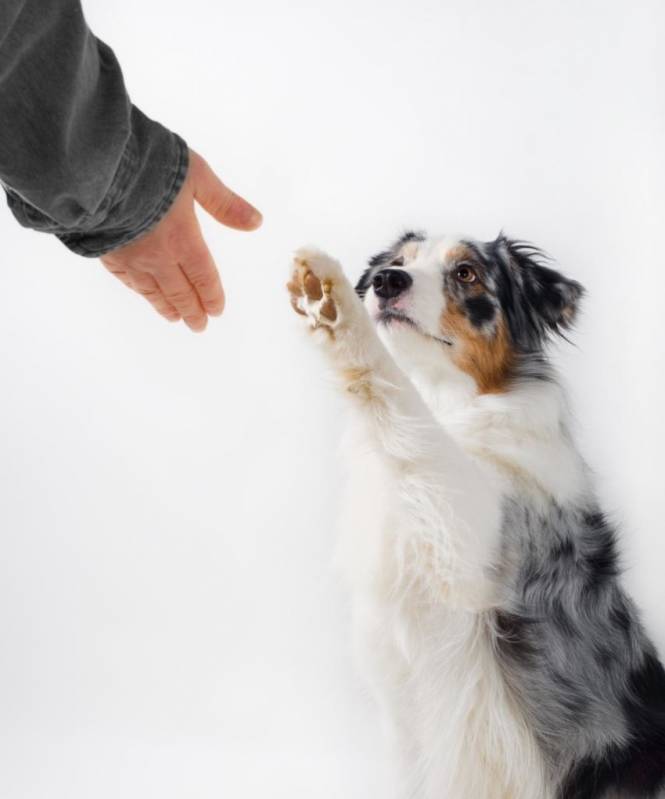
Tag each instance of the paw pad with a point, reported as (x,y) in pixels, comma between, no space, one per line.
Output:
(312,291)
(312,286)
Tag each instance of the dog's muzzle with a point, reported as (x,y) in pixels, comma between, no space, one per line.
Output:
(390,283)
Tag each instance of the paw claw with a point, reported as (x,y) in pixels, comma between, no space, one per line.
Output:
(296,307)
(295,289)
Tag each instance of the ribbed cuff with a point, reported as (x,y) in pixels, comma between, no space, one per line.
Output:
(161,179)
(148,178)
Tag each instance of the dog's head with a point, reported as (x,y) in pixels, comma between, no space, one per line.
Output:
(489,308)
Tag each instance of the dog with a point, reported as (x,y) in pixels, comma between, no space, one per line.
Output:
(488,609)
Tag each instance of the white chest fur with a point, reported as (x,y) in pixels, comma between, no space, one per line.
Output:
(429,662)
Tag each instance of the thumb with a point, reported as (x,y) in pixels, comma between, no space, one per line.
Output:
(218,200)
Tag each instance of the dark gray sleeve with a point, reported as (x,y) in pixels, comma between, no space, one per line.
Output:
(77,159)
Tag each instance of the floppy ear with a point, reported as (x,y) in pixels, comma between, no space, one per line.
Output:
(555,297)
(551,301)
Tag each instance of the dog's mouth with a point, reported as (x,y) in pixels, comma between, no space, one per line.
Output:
(387,316)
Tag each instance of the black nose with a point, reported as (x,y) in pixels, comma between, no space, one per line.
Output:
(389,283)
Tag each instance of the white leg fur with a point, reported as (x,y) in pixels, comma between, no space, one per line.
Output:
(420,532)
(432,472)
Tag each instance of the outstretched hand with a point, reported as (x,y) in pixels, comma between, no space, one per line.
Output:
(171,265)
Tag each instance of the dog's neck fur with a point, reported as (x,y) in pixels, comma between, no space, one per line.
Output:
(525,430)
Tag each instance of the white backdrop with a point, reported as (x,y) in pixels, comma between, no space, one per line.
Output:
(170,622)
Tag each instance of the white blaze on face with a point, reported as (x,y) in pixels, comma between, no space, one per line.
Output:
(424,302)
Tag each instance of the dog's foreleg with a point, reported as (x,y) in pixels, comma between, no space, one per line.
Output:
(449,502)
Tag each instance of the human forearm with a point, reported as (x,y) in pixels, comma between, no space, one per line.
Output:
(76,157)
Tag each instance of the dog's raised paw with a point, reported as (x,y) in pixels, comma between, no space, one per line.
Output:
(312,287)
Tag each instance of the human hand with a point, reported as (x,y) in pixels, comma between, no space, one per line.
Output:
(171,265)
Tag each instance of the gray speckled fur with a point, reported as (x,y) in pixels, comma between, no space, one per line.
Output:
(569,637)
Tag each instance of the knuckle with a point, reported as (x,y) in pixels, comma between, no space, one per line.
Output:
(144,263)
(201,280)
(149,293)
(181,297)
(222,206)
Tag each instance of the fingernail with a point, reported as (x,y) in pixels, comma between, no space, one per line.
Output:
(196,325)
(255,218)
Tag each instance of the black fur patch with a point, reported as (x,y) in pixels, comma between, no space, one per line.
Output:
(636,770)
(479,310)
(536,300)
(365,281)
(601,558)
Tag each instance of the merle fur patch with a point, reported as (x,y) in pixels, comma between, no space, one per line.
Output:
(574,650)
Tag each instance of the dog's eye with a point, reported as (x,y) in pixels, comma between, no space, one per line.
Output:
(465,274)
(399,261)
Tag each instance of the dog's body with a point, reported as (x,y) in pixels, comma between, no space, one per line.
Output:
(489,614)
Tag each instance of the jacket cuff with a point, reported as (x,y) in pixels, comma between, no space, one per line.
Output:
(149,176)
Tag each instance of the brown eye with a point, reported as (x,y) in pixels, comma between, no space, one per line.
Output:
(465,274)
(399,261)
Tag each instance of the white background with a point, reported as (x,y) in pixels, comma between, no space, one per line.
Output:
(170,622)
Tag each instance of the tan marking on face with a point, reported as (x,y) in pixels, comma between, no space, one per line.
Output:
(460,252)
(488,359)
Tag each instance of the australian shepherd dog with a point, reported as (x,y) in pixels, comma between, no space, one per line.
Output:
(489,613)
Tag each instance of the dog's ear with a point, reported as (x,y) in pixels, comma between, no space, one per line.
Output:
(550,301)
(555,297)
